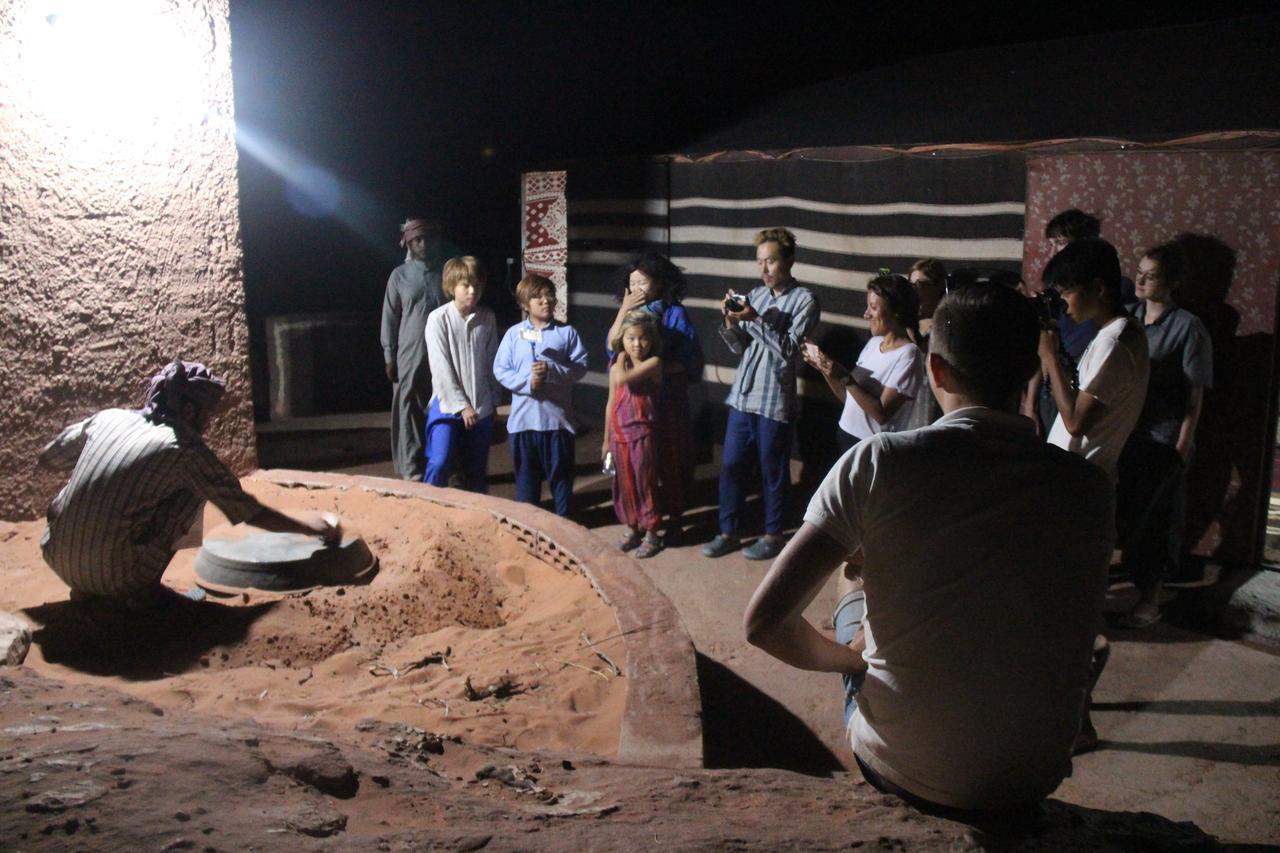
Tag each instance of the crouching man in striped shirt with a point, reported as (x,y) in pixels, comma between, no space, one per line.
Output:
(139,477)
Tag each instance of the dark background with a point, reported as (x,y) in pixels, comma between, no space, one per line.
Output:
(352,116)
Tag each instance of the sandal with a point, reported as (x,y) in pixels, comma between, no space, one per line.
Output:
(651,545)
(1141,616)
(630,541)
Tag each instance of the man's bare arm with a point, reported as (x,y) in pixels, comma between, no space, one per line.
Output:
(775,621)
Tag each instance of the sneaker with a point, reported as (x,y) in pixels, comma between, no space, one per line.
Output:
(720,546)
(651,545)
(764,548)
(630,541)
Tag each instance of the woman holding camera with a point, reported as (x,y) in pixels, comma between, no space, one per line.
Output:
(879,393)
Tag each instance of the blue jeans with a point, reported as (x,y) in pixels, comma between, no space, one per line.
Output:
(543,455)
(447,441)
(847,620)
(751,440)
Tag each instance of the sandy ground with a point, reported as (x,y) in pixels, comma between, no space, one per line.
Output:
(1190,723)
(1190,727)
(450,580)
(86,767)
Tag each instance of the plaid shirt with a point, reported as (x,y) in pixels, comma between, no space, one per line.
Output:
(770,350)
(136,488)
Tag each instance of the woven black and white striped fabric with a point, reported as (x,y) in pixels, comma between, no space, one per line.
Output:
(852,215)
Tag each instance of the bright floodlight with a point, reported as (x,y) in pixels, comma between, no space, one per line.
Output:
(118,70)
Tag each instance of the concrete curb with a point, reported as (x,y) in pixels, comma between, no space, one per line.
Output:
(662,722)
(1243,605)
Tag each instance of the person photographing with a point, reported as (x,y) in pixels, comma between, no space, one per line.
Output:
(766,329)
(881,390)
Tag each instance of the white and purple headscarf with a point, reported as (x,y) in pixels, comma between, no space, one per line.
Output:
(181,382)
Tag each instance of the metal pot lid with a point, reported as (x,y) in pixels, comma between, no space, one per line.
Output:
(236,558)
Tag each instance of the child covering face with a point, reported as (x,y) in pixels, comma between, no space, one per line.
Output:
(635,380)
(652,283)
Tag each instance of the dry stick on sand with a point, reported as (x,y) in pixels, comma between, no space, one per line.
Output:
(441,658)
(500,689)
(613,667)
(585,668)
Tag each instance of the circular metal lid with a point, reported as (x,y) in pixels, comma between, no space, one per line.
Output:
(239,557)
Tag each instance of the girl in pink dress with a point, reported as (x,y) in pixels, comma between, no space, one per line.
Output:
(635,383)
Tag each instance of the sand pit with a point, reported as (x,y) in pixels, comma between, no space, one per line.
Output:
(458,600)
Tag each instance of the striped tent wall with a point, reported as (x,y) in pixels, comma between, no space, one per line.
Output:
(850,217)
(617,209)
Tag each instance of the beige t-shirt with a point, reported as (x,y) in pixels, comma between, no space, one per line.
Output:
(1113,368)
(986,564)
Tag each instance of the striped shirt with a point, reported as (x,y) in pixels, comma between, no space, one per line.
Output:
(135,489)
(770,350)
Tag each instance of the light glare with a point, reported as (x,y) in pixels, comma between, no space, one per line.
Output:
(117,70)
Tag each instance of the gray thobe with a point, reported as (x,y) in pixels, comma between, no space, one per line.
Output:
(413,292)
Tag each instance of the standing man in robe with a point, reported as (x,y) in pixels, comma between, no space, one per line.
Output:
(413,292)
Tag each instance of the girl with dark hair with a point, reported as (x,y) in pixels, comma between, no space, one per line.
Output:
(879,393)
(652,283)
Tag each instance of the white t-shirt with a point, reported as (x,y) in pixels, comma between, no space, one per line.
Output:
(1113,368)
(986,556)
(901,369)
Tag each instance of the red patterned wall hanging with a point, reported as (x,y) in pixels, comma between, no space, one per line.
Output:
(544,231)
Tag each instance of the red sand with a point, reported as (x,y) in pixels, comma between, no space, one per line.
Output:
(450,579)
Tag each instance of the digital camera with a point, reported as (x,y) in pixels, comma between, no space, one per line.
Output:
(1049,307)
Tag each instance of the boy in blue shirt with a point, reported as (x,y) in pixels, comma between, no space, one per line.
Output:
(538,360)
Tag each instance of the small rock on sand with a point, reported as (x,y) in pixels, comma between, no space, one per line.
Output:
(15,640)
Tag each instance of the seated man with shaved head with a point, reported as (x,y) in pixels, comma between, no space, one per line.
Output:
(966,649)
(138,479)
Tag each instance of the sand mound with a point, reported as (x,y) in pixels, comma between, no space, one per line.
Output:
(458,606)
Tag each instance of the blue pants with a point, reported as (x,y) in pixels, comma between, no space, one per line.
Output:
(544,455)
(847,621)
(448,440)
(750,440)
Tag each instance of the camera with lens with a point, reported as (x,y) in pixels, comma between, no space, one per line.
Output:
(735,303)
(1049,306)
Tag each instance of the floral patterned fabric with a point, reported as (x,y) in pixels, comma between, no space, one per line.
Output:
(1146,197)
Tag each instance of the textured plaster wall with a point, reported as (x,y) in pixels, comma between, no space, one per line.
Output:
(119,232)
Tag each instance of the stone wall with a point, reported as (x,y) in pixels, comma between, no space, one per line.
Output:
(119,224)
